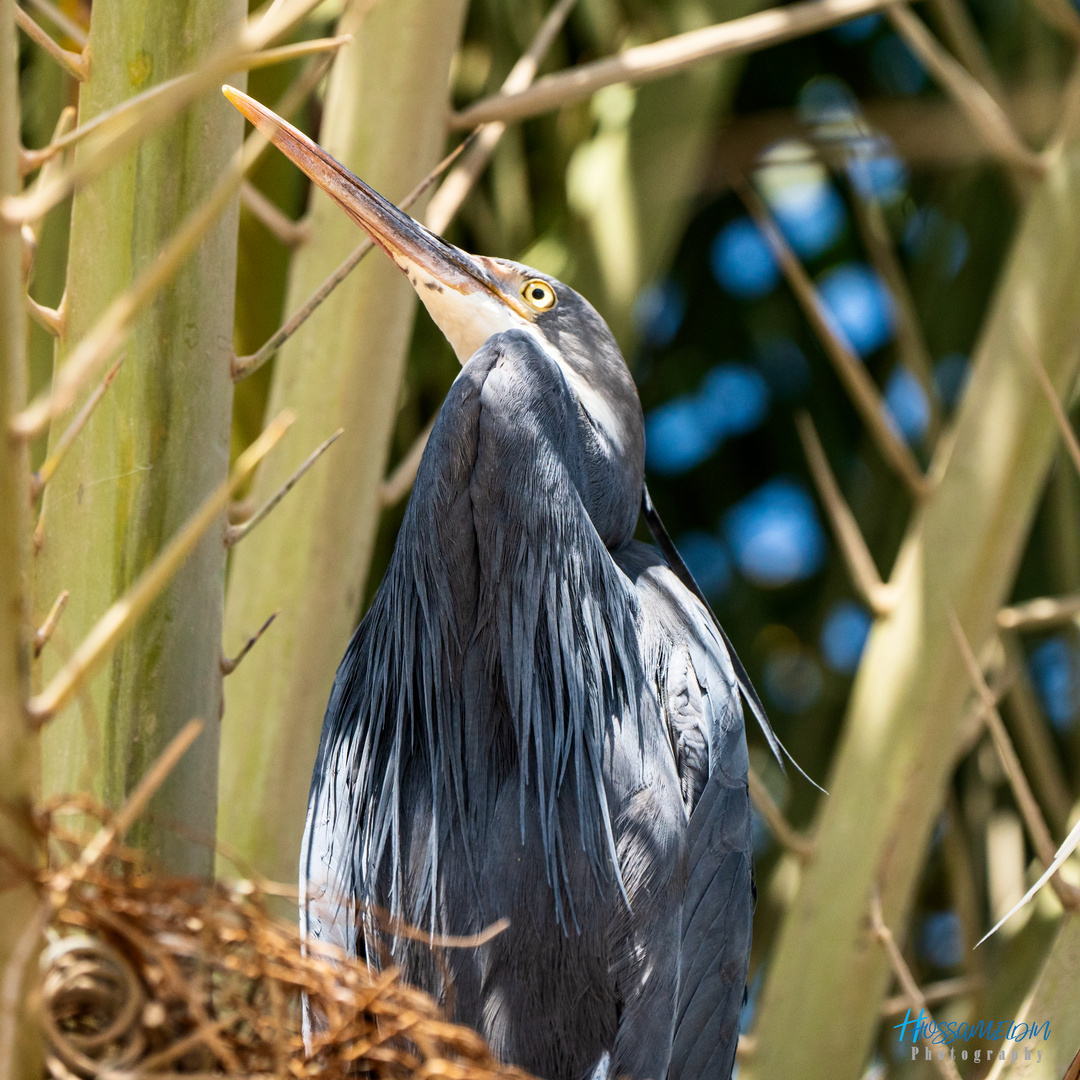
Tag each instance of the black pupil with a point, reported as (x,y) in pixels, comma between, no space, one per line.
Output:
(538,294)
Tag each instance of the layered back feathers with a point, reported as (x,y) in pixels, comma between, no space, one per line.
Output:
(501,644)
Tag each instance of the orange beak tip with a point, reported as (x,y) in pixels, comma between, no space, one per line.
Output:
(242,102)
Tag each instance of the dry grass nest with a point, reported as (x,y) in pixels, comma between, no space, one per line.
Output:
(147,974)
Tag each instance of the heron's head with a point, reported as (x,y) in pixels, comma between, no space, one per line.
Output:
(472,297)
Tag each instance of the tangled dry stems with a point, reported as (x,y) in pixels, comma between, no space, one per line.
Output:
(148,974)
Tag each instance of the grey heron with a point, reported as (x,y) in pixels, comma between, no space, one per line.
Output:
(538,719)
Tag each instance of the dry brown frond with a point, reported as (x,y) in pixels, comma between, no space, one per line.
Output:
(145,972)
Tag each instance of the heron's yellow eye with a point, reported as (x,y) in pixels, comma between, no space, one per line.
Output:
(539,294)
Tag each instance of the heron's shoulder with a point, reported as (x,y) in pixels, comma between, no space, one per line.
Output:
(666,600)
(687,659)
(515,372)
(644,565)
(515,341)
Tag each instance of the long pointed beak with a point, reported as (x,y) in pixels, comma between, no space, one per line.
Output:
(413,247)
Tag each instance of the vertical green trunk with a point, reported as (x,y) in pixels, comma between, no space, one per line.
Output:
(16,745)
(158,443)
(385,119)
(820,1005)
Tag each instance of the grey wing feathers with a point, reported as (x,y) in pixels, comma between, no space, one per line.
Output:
(716,935)
(328,911)
(699,695)
(682,572)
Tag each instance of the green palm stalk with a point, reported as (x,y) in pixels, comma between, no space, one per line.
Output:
(821,1003)
(157,444)
(17,757)
(385,119)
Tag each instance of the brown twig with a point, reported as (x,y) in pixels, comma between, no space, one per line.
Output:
(1034,740)
(399,483)
(123,127)
(45,631)
(1061,418)
(473,153)
(181,988)
(914,352)
(126,611)
(111,330)
(1040,613)
(962,35)
(201,1036)
(48,467)
(661,58)
(909,988)
(860,387)
(67,26)
(879,597)
(973,722)
(62,883)
(268,214)
(453,191)
(800,846)
(977,103)
(235,533)
(51,320)
(243,366)
(230,664)
(135,804)
(1068,111)
(75,64)
(1025,800)
(932,993)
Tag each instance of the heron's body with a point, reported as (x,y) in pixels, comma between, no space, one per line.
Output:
(526,672)
(537,720)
